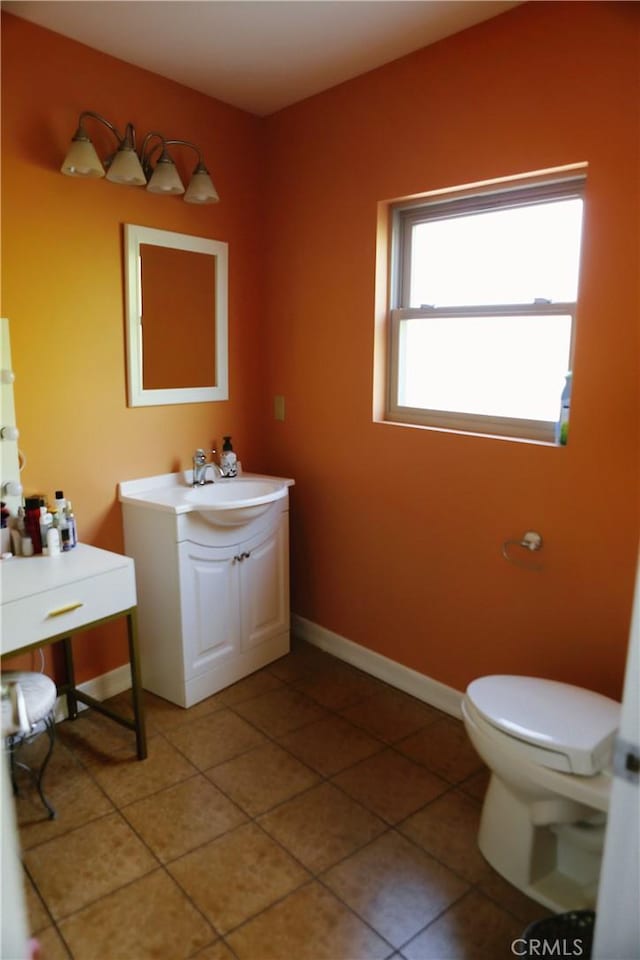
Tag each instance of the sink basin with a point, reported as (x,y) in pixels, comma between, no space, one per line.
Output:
(236,501)
(227,503)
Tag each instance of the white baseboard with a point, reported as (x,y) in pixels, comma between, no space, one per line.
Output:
(418,685)
(431,691)
(100,688)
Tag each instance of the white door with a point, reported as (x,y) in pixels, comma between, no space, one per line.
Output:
(617,931)
(264,578)
(210,606)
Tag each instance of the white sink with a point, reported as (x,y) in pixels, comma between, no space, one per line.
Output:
(236,501)
(227,502)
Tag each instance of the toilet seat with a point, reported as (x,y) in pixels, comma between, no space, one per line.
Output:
(557,725)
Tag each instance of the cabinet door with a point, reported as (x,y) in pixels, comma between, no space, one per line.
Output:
(264,591)
(210,606)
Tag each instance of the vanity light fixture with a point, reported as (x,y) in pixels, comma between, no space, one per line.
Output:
(153,166)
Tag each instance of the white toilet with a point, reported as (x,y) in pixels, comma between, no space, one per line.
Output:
(549,748)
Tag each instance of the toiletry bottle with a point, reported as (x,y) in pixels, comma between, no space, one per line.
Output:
(228,459)
(5,533)
(64,532)
(53,542)
(63,523)
(71,520)
(18,532)
(32,522)
(562,426)
(46,521)
(16,542)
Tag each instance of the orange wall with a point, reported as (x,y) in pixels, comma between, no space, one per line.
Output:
(62,273)
(396,531)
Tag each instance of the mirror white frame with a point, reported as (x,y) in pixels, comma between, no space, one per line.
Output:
(134,236)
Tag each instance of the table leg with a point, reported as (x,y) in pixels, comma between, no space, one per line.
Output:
(70,678)
(136,685)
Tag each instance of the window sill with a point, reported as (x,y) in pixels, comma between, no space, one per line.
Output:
(470,433)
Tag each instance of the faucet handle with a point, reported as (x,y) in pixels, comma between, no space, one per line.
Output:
(199,456)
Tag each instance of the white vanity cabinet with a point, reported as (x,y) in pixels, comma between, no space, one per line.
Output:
(234,601)
(213,599)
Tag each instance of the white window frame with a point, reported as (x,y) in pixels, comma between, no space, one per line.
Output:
(404,216)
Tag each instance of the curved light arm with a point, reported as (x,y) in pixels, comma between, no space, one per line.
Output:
(186,143)
(81,133)
(147,151)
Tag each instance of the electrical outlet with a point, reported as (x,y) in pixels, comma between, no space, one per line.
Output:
(278,407)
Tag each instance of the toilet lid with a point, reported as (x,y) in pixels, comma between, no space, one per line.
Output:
(555,716)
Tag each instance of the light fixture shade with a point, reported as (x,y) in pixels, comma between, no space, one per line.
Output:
(165,178)
(201,188)
(126,168)
(82,159)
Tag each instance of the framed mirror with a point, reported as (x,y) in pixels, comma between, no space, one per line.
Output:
(177,325)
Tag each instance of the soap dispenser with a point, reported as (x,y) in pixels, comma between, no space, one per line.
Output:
(228,459)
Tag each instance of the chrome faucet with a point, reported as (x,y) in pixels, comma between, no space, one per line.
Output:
(200,465)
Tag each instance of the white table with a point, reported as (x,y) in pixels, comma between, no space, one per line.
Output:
(48,599)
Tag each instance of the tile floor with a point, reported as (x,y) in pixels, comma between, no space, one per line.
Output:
(309,812)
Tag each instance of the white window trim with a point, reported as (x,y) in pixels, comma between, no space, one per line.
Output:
(404,216)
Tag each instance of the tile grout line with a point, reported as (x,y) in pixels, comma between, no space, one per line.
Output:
(323,778)
(390,827)
(254,819)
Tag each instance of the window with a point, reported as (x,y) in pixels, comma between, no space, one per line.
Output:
(483,302)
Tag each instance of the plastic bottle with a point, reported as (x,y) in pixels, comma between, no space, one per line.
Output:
(562,426)
(16,541)
(63,524)
(5,532)
(46,521)
(53,542)
(32,522)
(71,520)
(228,459)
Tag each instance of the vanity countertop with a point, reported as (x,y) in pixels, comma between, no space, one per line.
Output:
(175,493)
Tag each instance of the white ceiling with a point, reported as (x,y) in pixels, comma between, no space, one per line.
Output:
(259,55)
